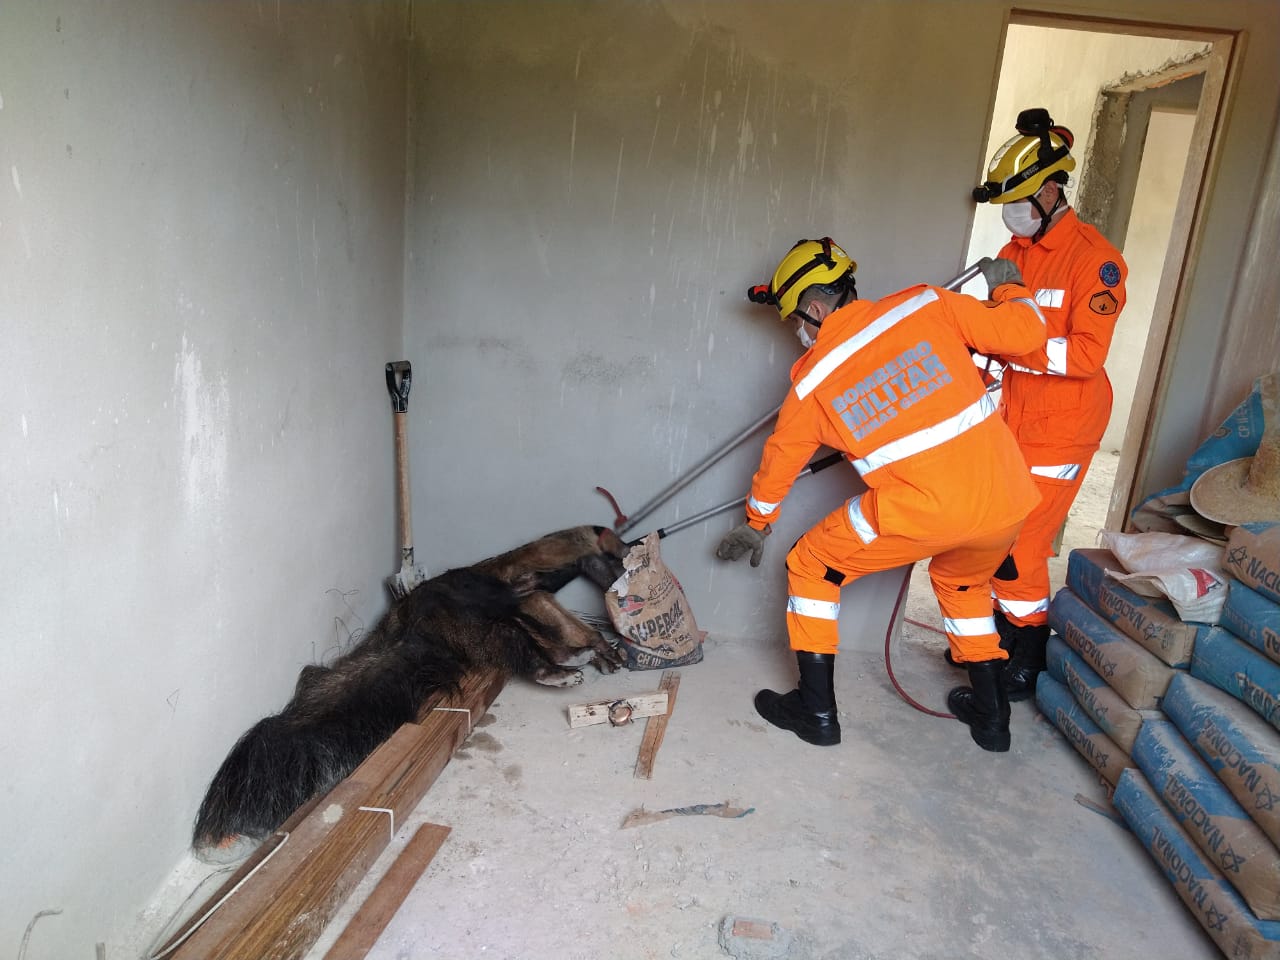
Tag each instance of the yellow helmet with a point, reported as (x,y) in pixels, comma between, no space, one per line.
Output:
(1024,163)
(809,262)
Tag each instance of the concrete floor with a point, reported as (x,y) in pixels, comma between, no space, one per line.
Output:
(905,841)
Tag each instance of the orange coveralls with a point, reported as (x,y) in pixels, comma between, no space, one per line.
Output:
(892,385)
(1057,400)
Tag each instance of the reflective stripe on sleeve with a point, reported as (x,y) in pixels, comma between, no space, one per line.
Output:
(1063,471)
(1050,298)
(1056,348)
(818,609)
(929,437)
(858,520)
(1029,303)
(1056,354)
(843,351)
(969,626)
(1024,608)
(760,507)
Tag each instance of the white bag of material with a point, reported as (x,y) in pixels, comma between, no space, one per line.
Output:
(651,612)
(1187,570)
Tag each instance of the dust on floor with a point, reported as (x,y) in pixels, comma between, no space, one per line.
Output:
(904,841)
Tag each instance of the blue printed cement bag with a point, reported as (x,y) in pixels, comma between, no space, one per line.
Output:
(1056,703)
(1238,436)
(1253,618)
(1234,666)
(1253,557)
(1242,750)
(1151,621)
(1103,705)
(1208,813)
(1128,668)
(1200,885)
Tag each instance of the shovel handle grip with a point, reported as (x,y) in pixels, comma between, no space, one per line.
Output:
(399,379)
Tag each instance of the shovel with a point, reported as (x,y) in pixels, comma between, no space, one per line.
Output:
(399,379)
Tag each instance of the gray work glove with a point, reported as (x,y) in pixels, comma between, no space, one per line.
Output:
(997,272)
(739,540)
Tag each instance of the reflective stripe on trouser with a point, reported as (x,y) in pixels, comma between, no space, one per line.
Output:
(833,545)
(1025,601)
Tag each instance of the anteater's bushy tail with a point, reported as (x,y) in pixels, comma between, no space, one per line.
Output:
(339,713)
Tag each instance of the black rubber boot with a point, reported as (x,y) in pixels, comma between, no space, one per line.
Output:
(984,705)
(1026,660)
(1003,627)
(810,710)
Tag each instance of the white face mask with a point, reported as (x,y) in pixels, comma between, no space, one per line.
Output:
(1020,217)
(807,339)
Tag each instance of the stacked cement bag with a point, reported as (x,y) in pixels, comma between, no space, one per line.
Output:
(1110,662)
(1252,612)
(1205,797)
(1242,657)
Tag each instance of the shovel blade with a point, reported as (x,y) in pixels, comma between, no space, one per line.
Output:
(402,583)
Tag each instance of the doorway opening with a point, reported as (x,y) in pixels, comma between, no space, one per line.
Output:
(1143,102)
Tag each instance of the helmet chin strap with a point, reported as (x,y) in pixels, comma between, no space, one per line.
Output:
(844,299)
(808,317)
(1045,217)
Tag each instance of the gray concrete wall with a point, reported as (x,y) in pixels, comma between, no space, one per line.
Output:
(596,185)
(594,188)
(201,223)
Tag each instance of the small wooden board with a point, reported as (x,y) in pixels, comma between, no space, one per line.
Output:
(363,929)
(597,711)
(656,727)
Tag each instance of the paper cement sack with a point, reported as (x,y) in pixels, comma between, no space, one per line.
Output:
(1199,884)
(1220,827)
(1104,706)
(1232,665)
(1056,703)
(1152,622)
(651,613)
(1253,557)
(1253,618)
(1240,748)
(1129,669)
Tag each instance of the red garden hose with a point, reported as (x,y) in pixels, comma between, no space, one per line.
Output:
(888,662)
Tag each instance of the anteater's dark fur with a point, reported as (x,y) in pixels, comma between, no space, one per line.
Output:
(498,613)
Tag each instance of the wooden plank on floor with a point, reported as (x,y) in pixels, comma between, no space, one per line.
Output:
(656,727)
(597,711)
(364,928)
(282,909)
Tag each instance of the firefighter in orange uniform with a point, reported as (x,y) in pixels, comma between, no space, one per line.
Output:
(892,385)
(1056,399)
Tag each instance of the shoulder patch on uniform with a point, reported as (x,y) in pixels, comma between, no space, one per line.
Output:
(1109,273)
(1103,302)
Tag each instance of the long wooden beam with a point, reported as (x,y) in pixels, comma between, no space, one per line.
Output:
(281,909)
